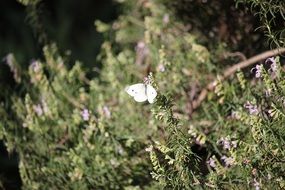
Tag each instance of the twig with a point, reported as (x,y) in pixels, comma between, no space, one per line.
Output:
(228,72)
(235,54)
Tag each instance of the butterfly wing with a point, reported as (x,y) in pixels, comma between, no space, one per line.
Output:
(151,93)
(138,91)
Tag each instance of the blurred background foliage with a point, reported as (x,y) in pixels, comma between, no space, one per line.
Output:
(62,96)
(70,24)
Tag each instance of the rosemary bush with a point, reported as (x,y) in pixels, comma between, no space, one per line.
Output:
(272,16)
(77,132)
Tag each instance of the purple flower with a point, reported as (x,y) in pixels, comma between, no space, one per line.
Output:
(258,70)
(251,108)
(142,51)
(166,18)
(11,62)
(85,114)
(106,111)
(9,59)
(146,80)
(38,109)
(161,68)
(273,66)
(227,143)
(256,184)
(246,161)
(35,65)
(270,60)
(229,161)
(212,162)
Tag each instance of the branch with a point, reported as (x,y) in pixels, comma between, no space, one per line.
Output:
(228,72)
(235,54)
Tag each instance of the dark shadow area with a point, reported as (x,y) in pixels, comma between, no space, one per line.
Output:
(222,21)
(16,36)
(9,171)
(70,24)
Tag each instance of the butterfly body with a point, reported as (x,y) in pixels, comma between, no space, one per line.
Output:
(142,92)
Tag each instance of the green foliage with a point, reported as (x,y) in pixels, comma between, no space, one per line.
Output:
(29,2)
(73,132)
(252,123)
(33,17)
(65,137)
(272,16)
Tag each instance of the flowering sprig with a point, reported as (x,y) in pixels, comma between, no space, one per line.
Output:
(273,64)
(229,161)
(85,113)
(257,70)
(212,162)
(227,143)
(252,108)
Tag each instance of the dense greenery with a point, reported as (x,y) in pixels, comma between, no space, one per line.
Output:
(72,131)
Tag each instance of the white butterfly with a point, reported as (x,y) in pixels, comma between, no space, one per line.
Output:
(142,92)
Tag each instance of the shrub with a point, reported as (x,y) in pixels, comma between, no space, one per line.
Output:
(73,132)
